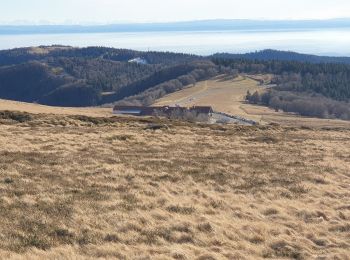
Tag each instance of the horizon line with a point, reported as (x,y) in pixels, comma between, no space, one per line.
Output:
(92,24)
(199,55)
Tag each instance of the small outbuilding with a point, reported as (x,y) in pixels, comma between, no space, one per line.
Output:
(163,111)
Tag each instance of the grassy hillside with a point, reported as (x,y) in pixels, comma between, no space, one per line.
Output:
(224,95)
(82,187)
(229,96)
(8,105)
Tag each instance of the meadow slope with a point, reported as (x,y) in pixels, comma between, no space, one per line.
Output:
(76,187)
(228,96)
(10,105)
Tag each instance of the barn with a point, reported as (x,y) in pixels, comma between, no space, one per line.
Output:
(128,110)
(206,110)
(162,111)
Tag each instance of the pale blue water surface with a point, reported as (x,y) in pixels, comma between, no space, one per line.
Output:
(321,42)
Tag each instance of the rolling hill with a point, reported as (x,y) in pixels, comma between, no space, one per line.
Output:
(65,76)
(229,96)
(79,187)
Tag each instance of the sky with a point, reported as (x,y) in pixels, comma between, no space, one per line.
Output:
(118,11)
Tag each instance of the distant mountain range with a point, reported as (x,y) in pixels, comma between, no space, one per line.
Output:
(204,25)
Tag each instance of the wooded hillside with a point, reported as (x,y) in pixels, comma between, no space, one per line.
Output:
(66,76)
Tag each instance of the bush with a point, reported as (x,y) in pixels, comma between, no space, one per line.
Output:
(304,104)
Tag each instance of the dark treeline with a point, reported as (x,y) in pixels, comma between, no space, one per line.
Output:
(335,85)
(29,82)
(267,55)
(36,82)
(329,79)
(304,104)
(43,53)
(105,75)
(76,94)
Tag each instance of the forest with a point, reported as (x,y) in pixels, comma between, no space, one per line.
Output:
(302,103)
(66,76)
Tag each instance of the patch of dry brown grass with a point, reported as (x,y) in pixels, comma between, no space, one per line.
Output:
(42,109)
(75,187)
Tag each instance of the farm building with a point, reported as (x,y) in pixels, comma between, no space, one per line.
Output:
(139,60)
(203,111)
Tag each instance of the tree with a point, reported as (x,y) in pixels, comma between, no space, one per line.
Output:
(255,98)
(248,96)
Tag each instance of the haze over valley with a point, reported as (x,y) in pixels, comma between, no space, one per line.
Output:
(324,37)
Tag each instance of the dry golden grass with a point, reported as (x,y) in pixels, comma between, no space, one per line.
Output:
(47,49)
(223,95)
(74,187)
(42,109)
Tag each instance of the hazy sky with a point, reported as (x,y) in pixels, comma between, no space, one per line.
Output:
(109,11)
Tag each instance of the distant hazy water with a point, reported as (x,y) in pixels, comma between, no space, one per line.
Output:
(322,42)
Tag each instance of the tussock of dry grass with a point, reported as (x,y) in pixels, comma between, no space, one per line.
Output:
(75,187)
